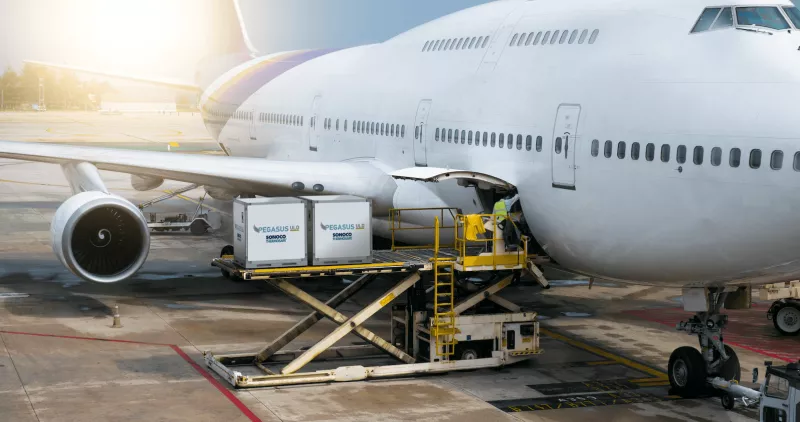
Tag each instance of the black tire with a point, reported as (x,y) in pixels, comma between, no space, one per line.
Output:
(786,317)
(469,354)
(731,370)
(687,372)
(228,250)
(728,402)
(198,227)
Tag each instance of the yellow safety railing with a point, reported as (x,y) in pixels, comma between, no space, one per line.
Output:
(443,324)
(503,258)
(397,224)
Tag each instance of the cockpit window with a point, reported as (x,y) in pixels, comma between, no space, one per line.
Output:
(724,20)
(706,19)
(766,17)
(794,15)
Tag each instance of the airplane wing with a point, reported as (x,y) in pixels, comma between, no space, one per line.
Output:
(240,174)
(152,81)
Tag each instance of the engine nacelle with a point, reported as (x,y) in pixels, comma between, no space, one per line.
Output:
(220,194)
(100,237)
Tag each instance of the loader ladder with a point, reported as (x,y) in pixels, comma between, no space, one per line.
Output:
(443,326)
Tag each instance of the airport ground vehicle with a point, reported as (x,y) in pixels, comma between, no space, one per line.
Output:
(430,333)
(778,398)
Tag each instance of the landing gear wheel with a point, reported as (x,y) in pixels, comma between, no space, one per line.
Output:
(469,354)
(728,402)
(787,319)
(731,370)
(198,227)
(687,372)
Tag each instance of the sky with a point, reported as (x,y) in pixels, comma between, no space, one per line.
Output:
(165,38)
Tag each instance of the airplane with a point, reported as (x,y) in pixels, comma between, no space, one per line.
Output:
(650,142)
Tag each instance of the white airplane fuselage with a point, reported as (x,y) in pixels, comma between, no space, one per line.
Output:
(643,79)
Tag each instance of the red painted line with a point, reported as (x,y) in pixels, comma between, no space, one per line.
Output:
(225,392)
(84,338)
(763,352)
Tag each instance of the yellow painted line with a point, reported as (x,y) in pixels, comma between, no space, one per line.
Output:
(644,380)
(606,354)
(174,144)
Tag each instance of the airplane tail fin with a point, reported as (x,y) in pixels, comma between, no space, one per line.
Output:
(229,44)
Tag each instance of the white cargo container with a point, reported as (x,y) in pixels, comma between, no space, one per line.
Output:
(270,232)
(340,229)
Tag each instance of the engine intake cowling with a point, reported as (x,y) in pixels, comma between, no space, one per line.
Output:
(100,237)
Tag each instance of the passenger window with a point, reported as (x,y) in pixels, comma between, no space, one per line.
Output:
(649,152)
(383,132)
(337,124)
(680,154)
(563,38)
(706,19)
(403,131)
(607,149)
(449,135)
(665,153)
(437,134)
(472,42)
(697,157)
(521,39)
(455,138)
(595,148)
(391,132)
(724,20)
(573,36)
(735,157)
(594,35)
(716,156)
(621,149)
(558,145)
(530,38)
(485,41)
(416,132)
(584,33)
(555,37)
(447,45)
(501,142)
(519,141)
(755,158)
(463,136)
(478,44)
(477,138)
(538,37)
(796,163)
(373,128)
(494,140)
(510,141)
(460,42)
(436,45)
(528,143)
(538,144)
(635,151)
(469,138)
(513,40)
(776,160)
(546,37)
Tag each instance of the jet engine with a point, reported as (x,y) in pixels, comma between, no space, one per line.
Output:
(100,237)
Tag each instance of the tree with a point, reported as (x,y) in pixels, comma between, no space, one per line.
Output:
(9,85)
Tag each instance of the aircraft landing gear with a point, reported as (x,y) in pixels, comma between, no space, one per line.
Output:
(689,369)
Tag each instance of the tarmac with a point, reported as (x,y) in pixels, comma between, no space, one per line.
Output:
(605,348)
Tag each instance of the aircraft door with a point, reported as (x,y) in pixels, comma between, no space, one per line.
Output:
(420,124)
(563,147)
(315,126)
(253,118)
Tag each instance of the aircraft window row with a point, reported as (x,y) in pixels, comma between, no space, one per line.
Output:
(242,115)
(281,119)
(376,128)
(747,18)
(698,153)
(465,43)
(491,139)
(552,37)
